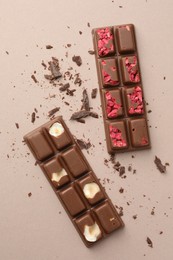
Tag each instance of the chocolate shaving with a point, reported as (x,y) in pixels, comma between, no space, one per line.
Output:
(17,125)
(55,70)
(68,104)
(91,52)
(160,166)
(150,243)
(94,93)
(33,117)
(77,60)
(64,87)
(53,111)
(43,64)
(78,80)
(83,144)
(34,78)
(80,114)
(49,47)
(85,101)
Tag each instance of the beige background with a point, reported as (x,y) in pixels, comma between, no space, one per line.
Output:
(32,228)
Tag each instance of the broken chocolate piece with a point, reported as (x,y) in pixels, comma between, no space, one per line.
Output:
(34,78)
(64,87)
(53,111)
(150,243)
(91,52)
(77,60)
(160,166)
(85,101)
(83,144)
(49,47)
(80,114)
(33,117)
(94,93)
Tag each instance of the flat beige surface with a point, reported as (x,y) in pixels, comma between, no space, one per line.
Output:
(32,228)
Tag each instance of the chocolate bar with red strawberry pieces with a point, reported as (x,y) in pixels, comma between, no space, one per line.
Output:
(121,88)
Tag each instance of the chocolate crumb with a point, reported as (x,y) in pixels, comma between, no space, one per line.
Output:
(64,87)
(130,168)
(167,164)
(150,243)
(94,93)
(68,45)
(55,69)
(43,64)
(160,166)
(152,211)
(49,47)
(149,111)
(80,32)
(33,117)
(120,6)
(53,111)
(83,144)
(68,104)
(17,125)
(77,80)
(164,78)
(161,232)
(34,78)
(91,52)
(88,24)
(134,171)
(7,52)
(77,60)
(134,216)
(29,194)
(120,213)
(121,190)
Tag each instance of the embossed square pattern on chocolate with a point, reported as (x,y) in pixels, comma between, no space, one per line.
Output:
(73,180)
(121,88)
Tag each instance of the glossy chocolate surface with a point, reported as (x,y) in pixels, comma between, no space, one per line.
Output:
(73,180)
(121,88)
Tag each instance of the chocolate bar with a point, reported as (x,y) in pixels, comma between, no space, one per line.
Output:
(121,90)
(73,180)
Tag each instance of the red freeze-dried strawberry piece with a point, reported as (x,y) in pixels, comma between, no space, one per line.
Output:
(116,137)
(144,141)
(112,106)
(107,78)
(132,69)
(105,36)
(136,101)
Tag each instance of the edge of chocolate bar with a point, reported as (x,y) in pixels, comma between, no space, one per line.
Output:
(73,181)
(121,88)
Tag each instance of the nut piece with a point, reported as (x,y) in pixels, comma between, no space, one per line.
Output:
(56,176)
(56,129)
(90,190)
(92,233)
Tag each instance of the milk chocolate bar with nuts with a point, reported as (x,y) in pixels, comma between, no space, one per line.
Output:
(73,180)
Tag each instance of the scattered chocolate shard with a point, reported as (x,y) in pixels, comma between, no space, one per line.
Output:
(80,32)
(150,243)
(34,78)
(88,24)
(53,111)
(55,70)
(160,166)
(120,213)
(49,77)
(129,168)
(164,78)
(80,114)
(94,93)
(167,164)
(70,92)
(149,111)
(17,125)
(43,64)
(161,232)
(134,216)
(121,171)
(85,101)
(91,52)
(29,194)
(33,117)
(49,47)
(65,102)
(152,211)
(83,144)
(77,60)
(77,80)
(64,87)
(68,45)
(7,52)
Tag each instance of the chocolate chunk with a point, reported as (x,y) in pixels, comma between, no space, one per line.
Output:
(121,171)
(150,243)
(68,45)
(77,60)
(49,47)
(34,78)
(43,64)
(53,111)
(94,93)
(55,70)
(85,101)
(160,166)
(77,80)
(29,194)
(33,117)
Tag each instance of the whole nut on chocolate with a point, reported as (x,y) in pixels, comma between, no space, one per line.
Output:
(73,180)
